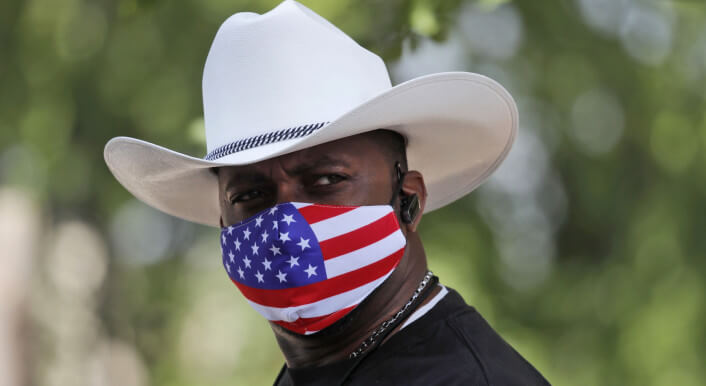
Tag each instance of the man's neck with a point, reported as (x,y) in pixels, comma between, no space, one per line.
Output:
(390,297)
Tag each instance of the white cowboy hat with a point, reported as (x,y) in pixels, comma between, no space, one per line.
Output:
(287,80)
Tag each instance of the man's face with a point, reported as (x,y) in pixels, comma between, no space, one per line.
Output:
(354,171)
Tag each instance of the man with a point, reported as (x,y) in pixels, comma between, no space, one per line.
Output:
(318,173)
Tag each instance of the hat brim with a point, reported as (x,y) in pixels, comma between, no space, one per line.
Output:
(459,127)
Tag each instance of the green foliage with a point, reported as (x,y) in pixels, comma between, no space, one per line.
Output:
(587,252)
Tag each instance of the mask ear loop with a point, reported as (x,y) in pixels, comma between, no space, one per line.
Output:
(400,179)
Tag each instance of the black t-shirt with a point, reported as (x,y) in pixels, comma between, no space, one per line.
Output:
(450,345)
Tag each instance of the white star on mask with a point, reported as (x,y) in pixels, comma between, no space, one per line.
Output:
(304,243)
(310,271)
(293,261)
(288,218)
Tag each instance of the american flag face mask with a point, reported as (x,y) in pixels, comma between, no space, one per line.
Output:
(306,266)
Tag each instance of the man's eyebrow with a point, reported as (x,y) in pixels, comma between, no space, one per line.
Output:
(321,161)
(246,177)
(257,178)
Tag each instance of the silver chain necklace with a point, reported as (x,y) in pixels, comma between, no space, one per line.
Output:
(373,337)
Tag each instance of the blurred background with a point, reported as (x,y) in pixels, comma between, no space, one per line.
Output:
(586,250)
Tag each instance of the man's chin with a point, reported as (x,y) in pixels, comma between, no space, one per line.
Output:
(336,329)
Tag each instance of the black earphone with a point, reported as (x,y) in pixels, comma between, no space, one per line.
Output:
(409,204)
(409,208)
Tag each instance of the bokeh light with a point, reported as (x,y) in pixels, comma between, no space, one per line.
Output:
(585,249)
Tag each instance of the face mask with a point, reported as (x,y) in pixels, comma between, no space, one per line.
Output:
(306,266)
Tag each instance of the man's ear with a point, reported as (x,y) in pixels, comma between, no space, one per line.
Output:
(414,184)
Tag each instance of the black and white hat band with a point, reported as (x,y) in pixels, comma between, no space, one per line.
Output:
(263,139)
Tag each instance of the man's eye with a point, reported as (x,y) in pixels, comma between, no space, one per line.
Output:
(247,196)
(328,179)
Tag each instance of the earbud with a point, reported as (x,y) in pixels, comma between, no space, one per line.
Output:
(409,204)
(409,208)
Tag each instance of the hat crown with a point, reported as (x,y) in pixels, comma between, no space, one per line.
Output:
(283,69)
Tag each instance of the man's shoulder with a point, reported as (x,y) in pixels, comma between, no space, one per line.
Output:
(452,344)
(500,362)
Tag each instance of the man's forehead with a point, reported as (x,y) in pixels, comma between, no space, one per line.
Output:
(356,150)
